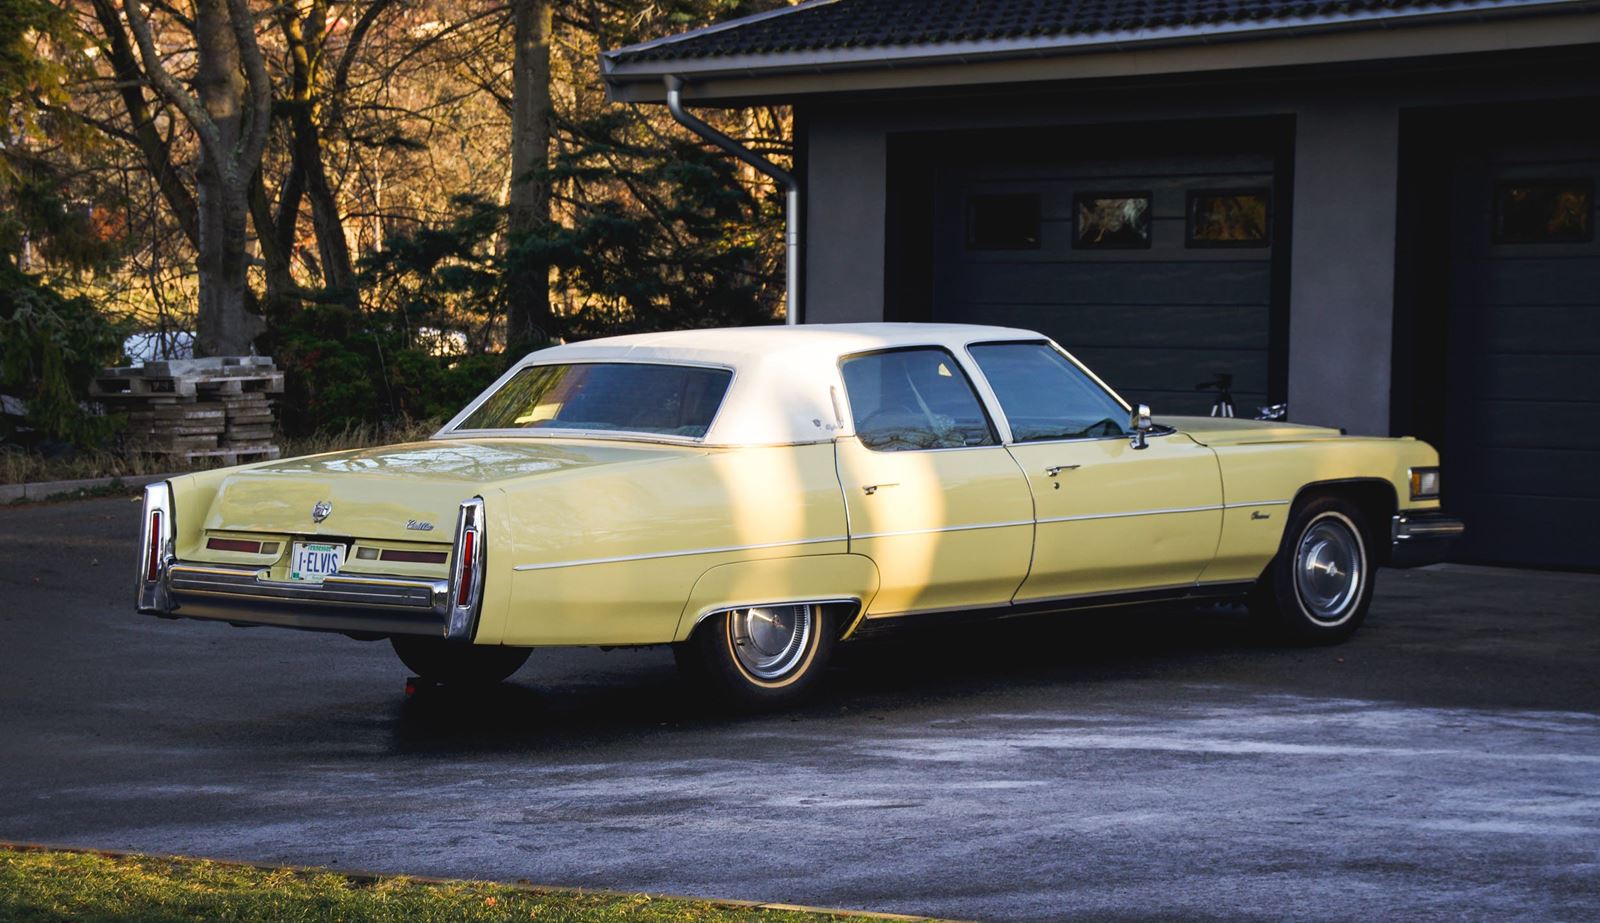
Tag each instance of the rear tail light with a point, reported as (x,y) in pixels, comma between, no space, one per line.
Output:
(464,594)
(236,544)
(155,547)
(466,573)
(152,548)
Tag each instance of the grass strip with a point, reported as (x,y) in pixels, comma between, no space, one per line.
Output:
(90,887)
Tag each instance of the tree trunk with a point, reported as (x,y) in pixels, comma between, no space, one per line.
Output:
(230,110)
(529,318)
(226,328)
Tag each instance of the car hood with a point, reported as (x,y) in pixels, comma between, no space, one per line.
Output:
(397,492)
(1234,431)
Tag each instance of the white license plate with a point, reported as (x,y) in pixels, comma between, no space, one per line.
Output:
(309,562)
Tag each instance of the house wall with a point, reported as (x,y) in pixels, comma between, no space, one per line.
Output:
(1345,189)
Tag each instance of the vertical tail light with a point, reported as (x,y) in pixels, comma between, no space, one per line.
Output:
(464,591)
(155,547)
(466,572)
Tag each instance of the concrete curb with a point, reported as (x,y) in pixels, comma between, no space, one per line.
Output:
(43,490)
(370,877)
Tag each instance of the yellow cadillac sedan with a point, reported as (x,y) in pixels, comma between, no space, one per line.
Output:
(754,497)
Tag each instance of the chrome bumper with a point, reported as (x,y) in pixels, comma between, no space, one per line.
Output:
(355,604)
(343,602)
(1422,537)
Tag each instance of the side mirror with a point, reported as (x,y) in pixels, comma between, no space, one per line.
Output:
(1139,421)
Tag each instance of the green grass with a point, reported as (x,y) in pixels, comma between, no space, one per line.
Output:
(84,887)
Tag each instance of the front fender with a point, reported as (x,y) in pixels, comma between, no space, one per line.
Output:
(770,581)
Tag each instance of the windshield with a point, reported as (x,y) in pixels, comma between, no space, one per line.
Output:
(665,400)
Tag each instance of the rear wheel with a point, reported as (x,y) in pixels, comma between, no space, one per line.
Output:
(759,657)
(1319,587)
(453,663)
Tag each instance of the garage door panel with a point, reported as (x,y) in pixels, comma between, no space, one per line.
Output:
(1523,424)
(1530,280)
(1055,246)
(1191,403)
(1171,370)
(1209,326)
(1547,328)
(1521,376)
(1231,282)
(1537,470)
(1562,425)
(1217,168)
(1532,526)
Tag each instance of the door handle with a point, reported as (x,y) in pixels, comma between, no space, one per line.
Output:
(871,489)
(1054,470)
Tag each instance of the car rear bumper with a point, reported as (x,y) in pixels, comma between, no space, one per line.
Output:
(351,603)
(1422,537)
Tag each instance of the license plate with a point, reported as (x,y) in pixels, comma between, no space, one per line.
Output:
(309,562)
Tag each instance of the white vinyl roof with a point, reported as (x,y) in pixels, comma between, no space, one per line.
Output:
(786,385)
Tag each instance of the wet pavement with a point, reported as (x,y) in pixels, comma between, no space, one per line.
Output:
(1122,764)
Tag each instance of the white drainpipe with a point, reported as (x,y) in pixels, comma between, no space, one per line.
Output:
(791,238)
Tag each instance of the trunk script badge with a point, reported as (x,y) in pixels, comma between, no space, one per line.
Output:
(321,510)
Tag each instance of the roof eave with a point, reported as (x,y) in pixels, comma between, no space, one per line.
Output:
(728,77)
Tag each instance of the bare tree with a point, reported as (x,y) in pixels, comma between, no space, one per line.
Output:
(230,112)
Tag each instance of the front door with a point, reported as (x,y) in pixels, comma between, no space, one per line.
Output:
(1111,518)
(933,498)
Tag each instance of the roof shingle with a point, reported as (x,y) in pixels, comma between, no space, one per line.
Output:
(863,24)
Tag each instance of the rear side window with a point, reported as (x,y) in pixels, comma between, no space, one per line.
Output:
(914,399)
(1044,396)
(665,400)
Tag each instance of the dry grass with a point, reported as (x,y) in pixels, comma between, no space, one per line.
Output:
(28,467)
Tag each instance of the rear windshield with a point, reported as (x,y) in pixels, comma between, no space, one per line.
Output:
(665,400)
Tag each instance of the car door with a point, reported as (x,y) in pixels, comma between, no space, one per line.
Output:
(1111,518)
(933,497)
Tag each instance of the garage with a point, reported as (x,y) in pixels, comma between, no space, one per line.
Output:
(1522,424)
(1155,263)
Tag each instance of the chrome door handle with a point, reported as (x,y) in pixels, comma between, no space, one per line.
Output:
(1054,470)
(871,489)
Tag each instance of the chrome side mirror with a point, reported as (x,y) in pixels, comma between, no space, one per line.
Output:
(1139,421)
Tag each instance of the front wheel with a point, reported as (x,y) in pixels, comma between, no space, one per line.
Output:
(1319,587)
(759,657)
(454,663)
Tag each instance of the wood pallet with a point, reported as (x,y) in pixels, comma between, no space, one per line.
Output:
(196,408)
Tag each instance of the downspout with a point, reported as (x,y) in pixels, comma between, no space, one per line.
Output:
(791,234)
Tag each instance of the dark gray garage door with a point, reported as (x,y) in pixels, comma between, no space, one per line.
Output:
(1156,271)
(1523,418)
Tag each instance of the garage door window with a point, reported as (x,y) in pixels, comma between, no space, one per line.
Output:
(914,399)
(1003,222)
(1544,211)
(1046,397)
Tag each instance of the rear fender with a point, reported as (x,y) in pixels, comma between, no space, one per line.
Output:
(847,580)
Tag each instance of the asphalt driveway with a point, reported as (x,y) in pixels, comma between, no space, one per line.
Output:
(1128,764)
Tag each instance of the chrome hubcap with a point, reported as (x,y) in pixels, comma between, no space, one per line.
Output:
(1328,569)
(770,641)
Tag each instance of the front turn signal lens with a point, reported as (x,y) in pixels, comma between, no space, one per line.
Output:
(1424,483)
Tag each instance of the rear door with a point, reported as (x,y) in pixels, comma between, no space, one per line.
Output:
(1110,518)
(933,497)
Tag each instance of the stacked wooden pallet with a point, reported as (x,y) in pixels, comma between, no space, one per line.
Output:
(193,409)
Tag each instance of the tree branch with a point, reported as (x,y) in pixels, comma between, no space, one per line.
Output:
(255,69)
(168,85)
